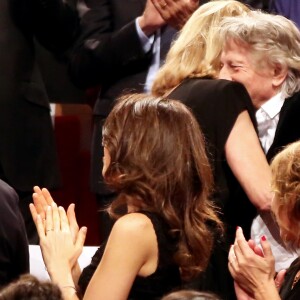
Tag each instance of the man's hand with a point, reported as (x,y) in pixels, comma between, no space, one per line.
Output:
(151,20)
(176,12)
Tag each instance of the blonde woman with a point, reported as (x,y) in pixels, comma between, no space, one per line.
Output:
(223,110)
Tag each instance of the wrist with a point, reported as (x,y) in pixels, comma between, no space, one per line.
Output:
(147,28)
(266,291)
(61,274)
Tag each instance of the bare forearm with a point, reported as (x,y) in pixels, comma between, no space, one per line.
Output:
(266,291)
(62,276)
(248,162)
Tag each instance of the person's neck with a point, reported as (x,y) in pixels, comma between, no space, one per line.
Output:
(257,103)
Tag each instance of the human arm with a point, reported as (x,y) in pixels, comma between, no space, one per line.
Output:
(108,47)
(248,162)
(252,272)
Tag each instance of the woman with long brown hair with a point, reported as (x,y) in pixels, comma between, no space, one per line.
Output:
(155,160)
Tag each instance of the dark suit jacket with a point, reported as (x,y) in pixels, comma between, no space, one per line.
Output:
(14,252)
(27,149)
(108,53)
(288,128)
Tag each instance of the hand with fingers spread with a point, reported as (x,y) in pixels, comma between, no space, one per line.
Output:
(176,12)
(253,272)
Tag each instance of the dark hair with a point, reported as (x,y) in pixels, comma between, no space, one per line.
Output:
(28,287)
(159,164)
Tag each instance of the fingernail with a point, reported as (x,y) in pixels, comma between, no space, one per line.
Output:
(263,238)
(237,227)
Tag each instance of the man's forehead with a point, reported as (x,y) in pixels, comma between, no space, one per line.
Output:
(235,44)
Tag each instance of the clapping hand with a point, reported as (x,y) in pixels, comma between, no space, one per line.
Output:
(249,268)
(61,240)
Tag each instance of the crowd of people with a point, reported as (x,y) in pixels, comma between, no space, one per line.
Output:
(197,124)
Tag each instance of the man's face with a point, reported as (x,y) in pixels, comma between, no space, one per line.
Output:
(239,64)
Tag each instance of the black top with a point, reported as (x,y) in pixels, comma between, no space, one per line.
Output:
(27,150)
(216,105)
(162,281)
(286,292)
(14,252)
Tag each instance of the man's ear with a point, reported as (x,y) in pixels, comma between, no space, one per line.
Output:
(279,75)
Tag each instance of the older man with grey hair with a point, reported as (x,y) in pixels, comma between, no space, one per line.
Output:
(262,51)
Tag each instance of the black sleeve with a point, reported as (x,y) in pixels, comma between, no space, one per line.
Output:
(14,251)
(55,24)
(105,52)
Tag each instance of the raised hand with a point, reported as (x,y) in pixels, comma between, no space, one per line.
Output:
(250,270)
(176,12)
(151,20)
(56,241)
(42,199)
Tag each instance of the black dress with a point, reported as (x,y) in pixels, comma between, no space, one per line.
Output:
(286,291)
(166,277)
(216,105)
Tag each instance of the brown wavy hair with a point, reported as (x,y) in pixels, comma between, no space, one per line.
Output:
(286,185)
(159,164)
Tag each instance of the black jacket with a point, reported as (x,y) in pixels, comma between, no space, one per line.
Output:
(27,149)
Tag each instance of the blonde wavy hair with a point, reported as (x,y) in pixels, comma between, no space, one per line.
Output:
(286,185)
(273,40)
(196,52)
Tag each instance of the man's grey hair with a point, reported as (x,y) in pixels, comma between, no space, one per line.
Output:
(272,38)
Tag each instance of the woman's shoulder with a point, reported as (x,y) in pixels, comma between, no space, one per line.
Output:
(133,224)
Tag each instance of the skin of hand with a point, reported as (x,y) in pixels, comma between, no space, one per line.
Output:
(240,292)
(176,12)
(151,20)
(42,200)
(279,279)
(253,273)
(59,251)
